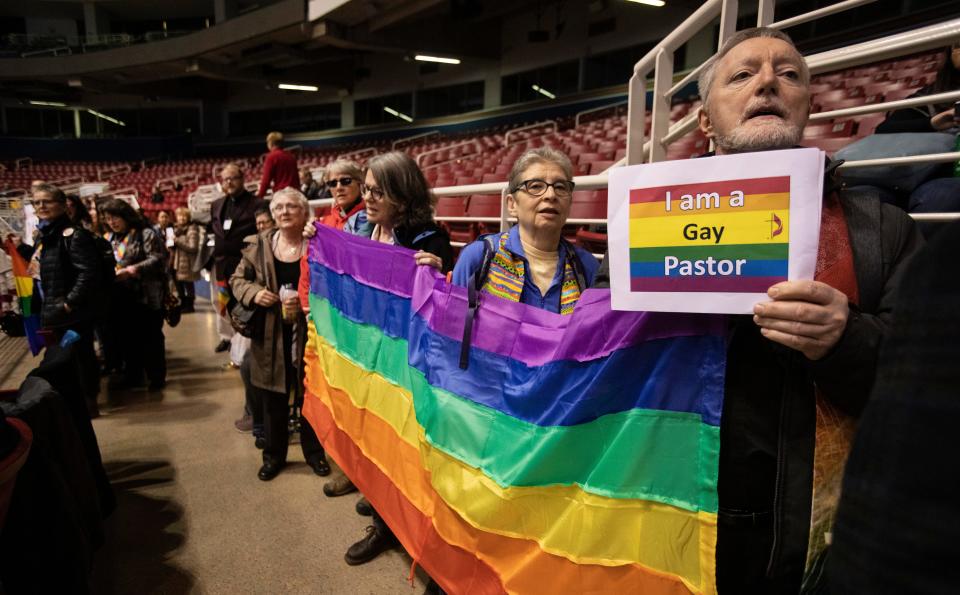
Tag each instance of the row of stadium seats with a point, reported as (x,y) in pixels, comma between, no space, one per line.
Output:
(485,156)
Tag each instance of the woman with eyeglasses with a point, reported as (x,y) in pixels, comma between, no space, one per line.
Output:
(532,263)
(265,279)
(400,206)
(138,293)
(343,179)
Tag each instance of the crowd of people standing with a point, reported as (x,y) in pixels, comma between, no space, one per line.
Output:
(817,339)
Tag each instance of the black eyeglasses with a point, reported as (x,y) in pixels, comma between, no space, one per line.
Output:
(344,181)
(561,188)
(375,193)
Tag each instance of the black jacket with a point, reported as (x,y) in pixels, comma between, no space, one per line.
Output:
(896,528)
(429,238)
(312,191)
(69,274)
(146,252)
(767,427)
(229,243)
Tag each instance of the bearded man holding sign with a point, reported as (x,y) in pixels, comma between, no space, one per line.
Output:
(800,369)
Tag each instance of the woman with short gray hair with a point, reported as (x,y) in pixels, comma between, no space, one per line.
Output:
(532,263)
(343,179)
(265,282)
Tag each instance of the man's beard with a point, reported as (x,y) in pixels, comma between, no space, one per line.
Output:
(768,138)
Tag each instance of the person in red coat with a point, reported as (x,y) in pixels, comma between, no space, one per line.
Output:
(280,167)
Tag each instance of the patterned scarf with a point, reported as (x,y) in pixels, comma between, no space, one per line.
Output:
(120,247)
(507,272)
(834,429)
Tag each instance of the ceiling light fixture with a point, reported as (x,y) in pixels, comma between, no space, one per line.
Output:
(48,103)
(290,87)
(400,115)
(543,91)
(106,117)
(425,58)
(657,3)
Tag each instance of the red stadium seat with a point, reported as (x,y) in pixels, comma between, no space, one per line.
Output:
(868,123)
(598,167)
(456,206)
(484,205)
(830,145)
(842,129)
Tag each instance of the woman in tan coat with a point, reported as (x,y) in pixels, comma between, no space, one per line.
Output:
(186,244)
(267,278)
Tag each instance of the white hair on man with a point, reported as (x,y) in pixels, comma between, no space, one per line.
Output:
(759,109)
(710,66)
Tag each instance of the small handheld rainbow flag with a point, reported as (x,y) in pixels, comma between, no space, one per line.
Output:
(24,284)
(575,454)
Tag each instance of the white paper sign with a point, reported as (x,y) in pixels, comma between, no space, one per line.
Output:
(713,234)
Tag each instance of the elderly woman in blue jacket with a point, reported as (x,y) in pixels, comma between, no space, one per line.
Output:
(532,263)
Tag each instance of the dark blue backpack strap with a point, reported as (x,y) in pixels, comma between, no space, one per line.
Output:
(490,246)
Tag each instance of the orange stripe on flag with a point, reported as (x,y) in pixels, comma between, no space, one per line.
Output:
(360,442)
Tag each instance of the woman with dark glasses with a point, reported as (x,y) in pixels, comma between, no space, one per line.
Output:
(348,214)
(532,263)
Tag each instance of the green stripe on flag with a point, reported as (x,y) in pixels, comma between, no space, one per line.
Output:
(731,252)
(648,454)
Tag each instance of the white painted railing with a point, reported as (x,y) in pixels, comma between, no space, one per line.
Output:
(422,156)
(412,139)
(359,154)
(660,62)
(106,173)
(589,112)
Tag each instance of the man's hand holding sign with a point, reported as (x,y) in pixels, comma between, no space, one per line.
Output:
(750,243)
(808,316)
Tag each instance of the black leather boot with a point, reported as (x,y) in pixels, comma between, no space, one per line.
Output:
(377,541)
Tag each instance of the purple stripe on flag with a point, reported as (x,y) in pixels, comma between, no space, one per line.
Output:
(527,334)
(536,337)
(698,284)
(379,265)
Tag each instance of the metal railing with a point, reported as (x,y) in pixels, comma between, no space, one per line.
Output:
(614,106)
(409,140)
(545,123)
(423,155)
(660,62)
(360,154)
(111,172)
(31,44)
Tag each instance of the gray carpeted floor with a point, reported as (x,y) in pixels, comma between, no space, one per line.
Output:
(192,517)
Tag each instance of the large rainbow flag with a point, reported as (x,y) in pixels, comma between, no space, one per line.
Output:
(727,236)
(24,285)
(575,454)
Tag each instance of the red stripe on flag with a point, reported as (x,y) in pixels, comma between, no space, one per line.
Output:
(722,187)
(700,284)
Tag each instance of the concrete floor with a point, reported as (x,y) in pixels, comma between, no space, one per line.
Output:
(192,517)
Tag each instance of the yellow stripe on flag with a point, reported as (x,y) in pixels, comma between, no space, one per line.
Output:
(749,227)
(24,286)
